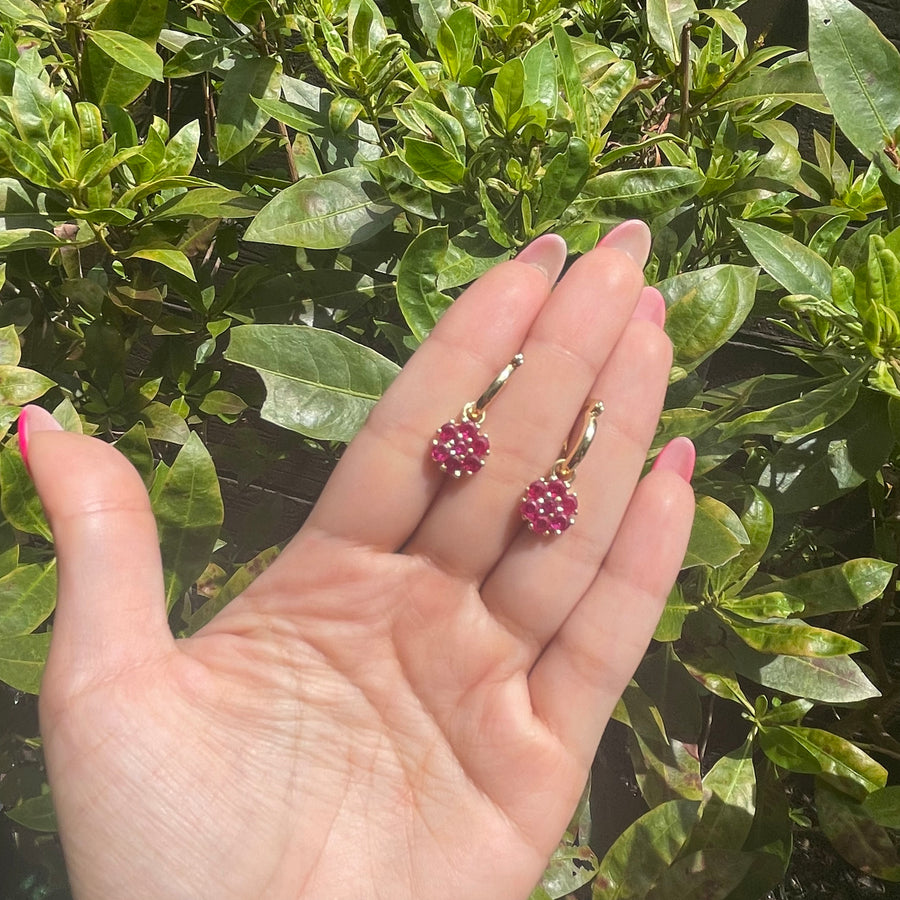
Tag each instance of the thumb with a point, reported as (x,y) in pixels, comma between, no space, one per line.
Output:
(110,610)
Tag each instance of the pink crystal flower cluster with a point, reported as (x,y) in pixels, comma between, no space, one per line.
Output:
(548,507)
(460,448)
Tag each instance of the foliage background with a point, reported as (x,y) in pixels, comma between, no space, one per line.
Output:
(227,223)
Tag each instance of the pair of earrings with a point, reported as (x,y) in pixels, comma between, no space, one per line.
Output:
(548,505)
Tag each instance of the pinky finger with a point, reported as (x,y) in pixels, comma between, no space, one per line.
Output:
(584,669)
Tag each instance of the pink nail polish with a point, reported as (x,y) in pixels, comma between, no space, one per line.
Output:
(677,456)
(651,306)
(631,237)
(547,253)
(31,420)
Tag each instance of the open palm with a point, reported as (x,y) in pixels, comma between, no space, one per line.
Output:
(407,702)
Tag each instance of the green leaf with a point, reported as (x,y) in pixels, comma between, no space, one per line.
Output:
(855,835)
(541,82)
(136,449)
(163,423)
(717,534)
(223,403)
(235,585)
(674,613)
(187,504)
(104,79)
(793,82)
(23,12)
(816,470)
(437,167)
(643,853)
(27,597)
(169,257)
(666,20)
(22,660)
(324,212)
(792,264)
(570,867)
(317,382)
(705,308)
(421,303)
(715,677)
(710,874)
(812,412)
(762,606)
(509,90)
(18,498)
(643,193)
(563,179)
(758,520)
(884,806)
(812,751)
(858,69)
(791,637)
(835,679)
(207,203)
(238,119)
(36,813)
(20,386)
(608,93)
(129,52)
(571,76)
(849,586)
(429,14)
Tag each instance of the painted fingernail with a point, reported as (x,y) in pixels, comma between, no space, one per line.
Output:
(31,420)
(631,237)
(677,456)
(547,253)
(651,306)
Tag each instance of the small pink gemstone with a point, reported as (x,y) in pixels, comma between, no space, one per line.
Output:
(556,488)
(472,464)
(541,525)
(455,468)
(536,490)
(440,453)
(480,445)
(559,524)
(447,432)
(569,505)
(468,431)
(529,510)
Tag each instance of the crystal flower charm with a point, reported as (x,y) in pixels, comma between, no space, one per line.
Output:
(460,448)
(548,506)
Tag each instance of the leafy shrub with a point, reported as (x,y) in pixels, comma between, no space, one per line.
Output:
(194,191)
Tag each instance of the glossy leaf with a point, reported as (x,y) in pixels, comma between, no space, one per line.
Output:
(36,813)
(859,71)
(758,520)
(666,20)
(238,119)
(848,586)
(570,867)
(104,79)
(836,679)
(833,461)
(563,180)
(674,614)
(715,677)
(18,498)
(129,52)
(20,386)
(792,264)
(817,752)
(710,874)
(429,15)
(187,504)
(717,534)
(421,303)
(324,212)
(643,853)
(22,659)
(855,835)
(792,637)
(810,413)
(793,82)
(207,203)
(640,192)
(27,597)
(608,93)
(317,382)
(884,806)
(705,308)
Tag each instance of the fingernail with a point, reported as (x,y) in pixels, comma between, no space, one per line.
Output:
(631,237)
(677,456)
(547,253)
(31,420)
(651,306)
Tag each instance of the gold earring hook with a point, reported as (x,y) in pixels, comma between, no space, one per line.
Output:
(474,412)
(564,469)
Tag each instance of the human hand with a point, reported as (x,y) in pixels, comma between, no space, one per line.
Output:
(406,704)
